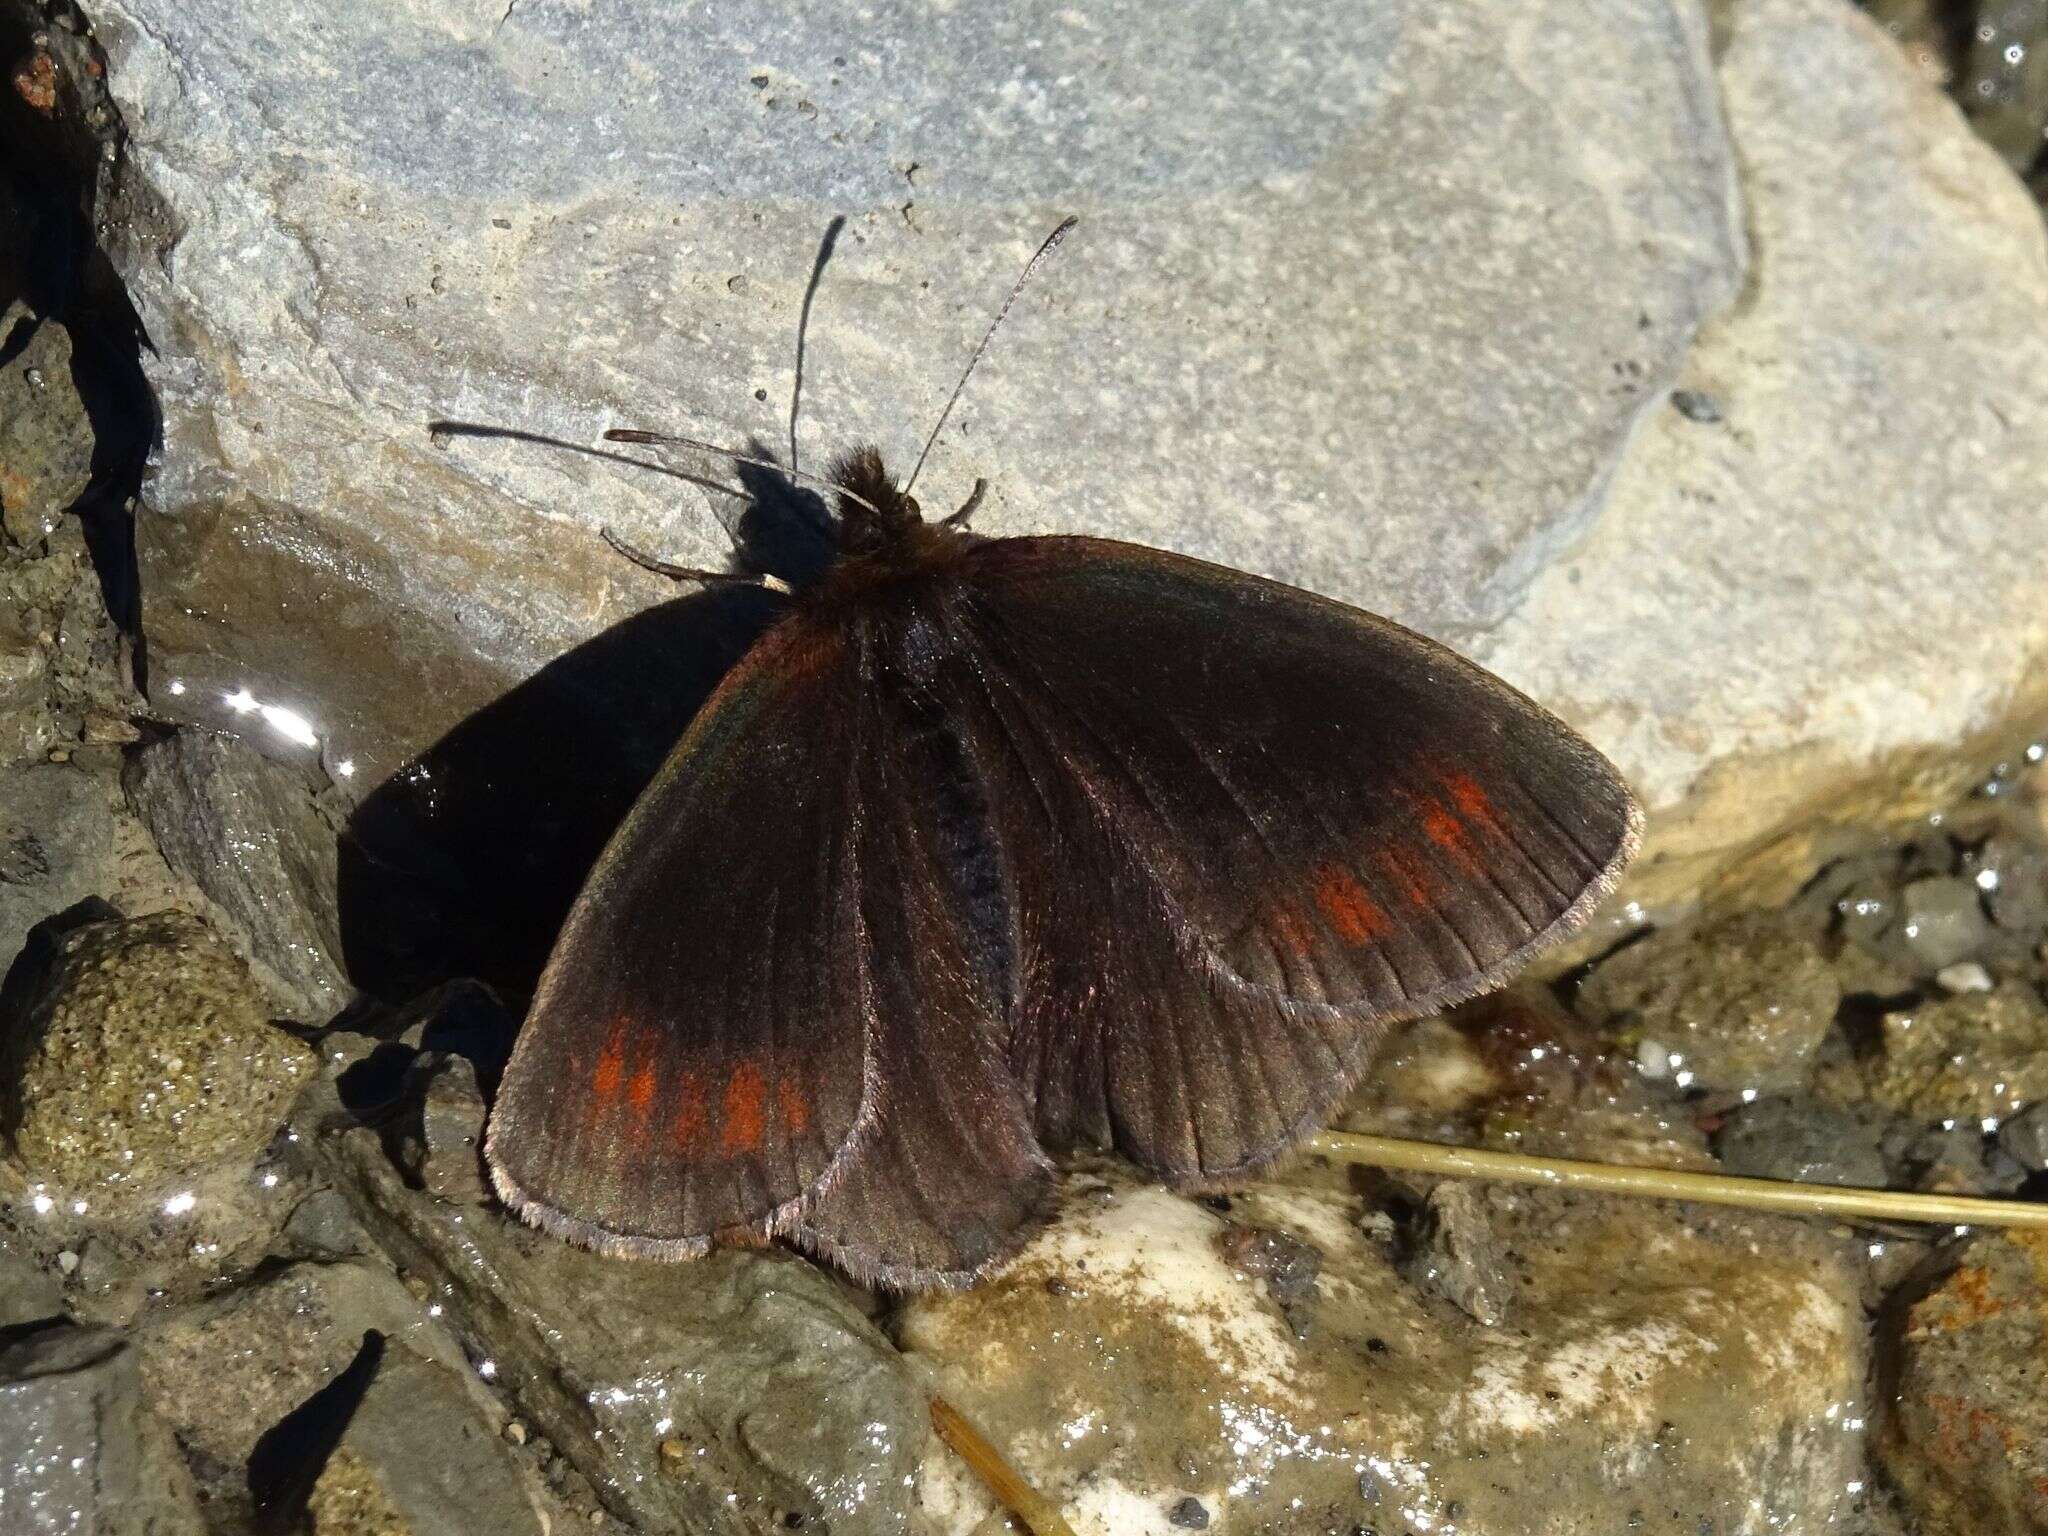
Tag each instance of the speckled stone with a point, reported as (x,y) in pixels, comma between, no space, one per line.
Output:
(146,1055)
(1741,1001)
(1968,1441)
(1979,1056)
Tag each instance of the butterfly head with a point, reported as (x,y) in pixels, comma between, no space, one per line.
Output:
(876,519)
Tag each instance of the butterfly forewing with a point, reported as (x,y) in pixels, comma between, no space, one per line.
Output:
(695,1055)
(1248,828)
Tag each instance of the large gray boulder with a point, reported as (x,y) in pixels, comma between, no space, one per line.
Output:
(1385,300)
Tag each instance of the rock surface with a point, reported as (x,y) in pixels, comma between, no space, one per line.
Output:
(251,834)
(227,1373)
(1423,433)
(147,1056)
(1733,1002)
(1968,1439)
(1487,454)
(739,1394)
(1653,1376)
(83,1455)
(1767,605)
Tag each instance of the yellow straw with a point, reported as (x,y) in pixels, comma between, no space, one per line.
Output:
(1675,1184)
(1039,1514)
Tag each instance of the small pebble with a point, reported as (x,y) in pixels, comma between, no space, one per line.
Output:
(68,1262)
(1964,976)
(1944,921)
(1695,405)
(515,1431)
(1189,1515)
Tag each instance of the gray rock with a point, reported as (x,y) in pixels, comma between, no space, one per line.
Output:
(716,1396)
(1942,921)
(146,1055)
(1457,1252)
(2013,874)
(1764,613)
(417,1454)
(1740,1001)
(46,441)
(228,1371)
(1808,1142)
(441,1149)
(251,835)
(2025,1137)
(1967,1440)
(83,1455)
(56,846)
(28,1294)
(1414,398)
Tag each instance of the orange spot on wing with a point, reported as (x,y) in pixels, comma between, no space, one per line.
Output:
(610,1075)
(1414,879)
(688,1125)
(640,1090)
(1449,834)
(746,1095)
(1356,917)
(1472,801)
(795,1104)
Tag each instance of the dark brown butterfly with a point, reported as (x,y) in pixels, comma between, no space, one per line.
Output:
(991,846)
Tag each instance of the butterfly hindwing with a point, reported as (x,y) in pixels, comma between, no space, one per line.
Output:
(1246,829)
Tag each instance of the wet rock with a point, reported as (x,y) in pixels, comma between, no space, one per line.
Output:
(1735,1002)
(416,1459)
(84,1457)
(28,1293)
(46,440)
(251,835)
(2025,1137)
(1456,1252)
(1942,921)
(716,1396)
(1967,1444)
(411,282)
(226,1372)
(2012,872)
(120,1251)
(1518,1073)
(1712,1370)
(1977,1057)
(146,1055)
(1804,1141)
(56,846)
(1779,690)
(1286,1264)
(1951,1157)
(441,1149)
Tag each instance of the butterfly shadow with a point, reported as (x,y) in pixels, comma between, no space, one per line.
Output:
(464,862)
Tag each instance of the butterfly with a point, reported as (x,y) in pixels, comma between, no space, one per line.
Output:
(991,847)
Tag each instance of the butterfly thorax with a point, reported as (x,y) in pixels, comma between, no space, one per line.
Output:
(883,537)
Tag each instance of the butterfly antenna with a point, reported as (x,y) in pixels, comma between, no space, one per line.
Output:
(669,440)
(803,323)
(441,431)
(1051,243)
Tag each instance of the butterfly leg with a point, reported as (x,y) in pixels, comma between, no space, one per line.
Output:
(647,562)
(967,507)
